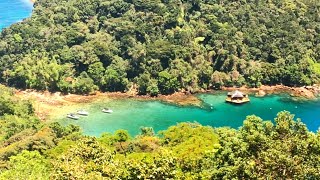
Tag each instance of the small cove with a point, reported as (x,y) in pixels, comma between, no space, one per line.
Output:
(131,114)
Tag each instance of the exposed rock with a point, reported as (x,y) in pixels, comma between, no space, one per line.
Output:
(309,92)
(181,99)
(303,92)
(261,93)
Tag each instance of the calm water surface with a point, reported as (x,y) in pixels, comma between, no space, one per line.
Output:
(12,11)
(131,114)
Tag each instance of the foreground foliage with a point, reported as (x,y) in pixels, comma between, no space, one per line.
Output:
(259,149)
(162,46)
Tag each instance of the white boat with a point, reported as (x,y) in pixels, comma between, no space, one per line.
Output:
(82,112)
(72,116)
(107,110)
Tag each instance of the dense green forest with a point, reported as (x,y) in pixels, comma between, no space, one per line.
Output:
(162,46)
(31,149)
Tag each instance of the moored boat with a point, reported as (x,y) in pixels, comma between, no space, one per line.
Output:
(107,110)
(73,116)
(83,112)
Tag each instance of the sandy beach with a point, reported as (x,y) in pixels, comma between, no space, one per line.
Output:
(48,104)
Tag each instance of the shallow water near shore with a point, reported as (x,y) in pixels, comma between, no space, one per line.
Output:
(12,11)
(131,114)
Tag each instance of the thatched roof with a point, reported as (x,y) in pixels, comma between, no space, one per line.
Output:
(236,94)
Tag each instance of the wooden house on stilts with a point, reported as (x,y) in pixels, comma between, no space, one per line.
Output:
(237,97)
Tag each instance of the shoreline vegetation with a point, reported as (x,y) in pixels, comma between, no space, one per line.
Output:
(47,104)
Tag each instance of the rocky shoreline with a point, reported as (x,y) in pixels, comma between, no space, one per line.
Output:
(309,92)
(46,103)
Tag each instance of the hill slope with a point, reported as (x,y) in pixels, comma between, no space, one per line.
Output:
(162,46)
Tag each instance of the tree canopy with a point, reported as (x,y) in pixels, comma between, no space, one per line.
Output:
(162,46)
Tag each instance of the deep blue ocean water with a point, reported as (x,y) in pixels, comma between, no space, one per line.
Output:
(12,11)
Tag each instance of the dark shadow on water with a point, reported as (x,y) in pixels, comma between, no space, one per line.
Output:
(295,100)
(207,107)
(238,104)
(203,105)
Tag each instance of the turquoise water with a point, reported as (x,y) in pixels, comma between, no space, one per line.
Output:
(131,114)
(12,11)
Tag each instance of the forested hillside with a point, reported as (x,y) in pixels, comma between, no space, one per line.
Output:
(162,46)
(31,149)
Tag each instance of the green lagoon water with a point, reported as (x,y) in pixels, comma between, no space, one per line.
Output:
(132,114)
